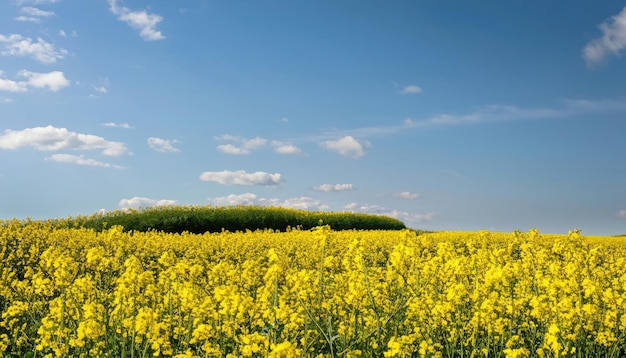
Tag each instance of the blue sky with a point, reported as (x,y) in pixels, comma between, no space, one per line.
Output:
(449,115)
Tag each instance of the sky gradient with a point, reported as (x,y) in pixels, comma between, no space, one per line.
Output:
(449,115)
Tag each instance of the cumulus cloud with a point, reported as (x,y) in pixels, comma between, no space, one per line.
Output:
(53,139)
(406,217)
(303,202)
(241,177)
(141,20)
(240,146)
(334,187)
(612,41)
(231,149)
(53,81)
(406,195)
(81,160)
(40,50)
(163,145)
(117,125)
(136,202)
(411,90)
(235,199)
(10,85)
(346,146)
(285,148)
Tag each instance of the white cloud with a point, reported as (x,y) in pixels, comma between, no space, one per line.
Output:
(54,81)
(234,199)
(27,19)
(53,139)
(100,89)
(241,177)
(612,42)
(285,148)
(243,146)
(411,90)
(137,201)
(140,20)
(491,113)
(231,149)
(11,86)
(334,187)
(254,143)
(117,125)
(41,50)
(81,160)
(406,217)
(62,33)
(33,11)
(5,99)
(622,213)
(346,146)
(284,119)
(303,202)
(406,195)
(163,145)
(36,2)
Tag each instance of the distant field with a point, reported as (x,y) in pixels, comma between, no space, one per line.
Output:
(76,291)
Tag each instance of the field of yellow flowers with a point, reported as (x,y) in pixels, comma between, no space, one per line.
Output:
(75,292)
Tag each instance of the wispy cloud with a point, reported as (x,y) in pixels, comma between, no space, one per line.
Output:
(141,20)
(163,145)
(492,113)
(5,99)
(117,125)
(622,213)
(40,50)
(334,187)
(241,177)
(346,146)
(302,202)
(136,202)
(100,89)
(35,2)
(81,160)
(54,139)
(612,41)
(33,14)
(412,89)
(406,195)
(64,34)
(33,11)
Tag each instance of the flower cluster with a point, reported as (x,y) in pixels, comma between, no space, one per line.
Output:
(315,293)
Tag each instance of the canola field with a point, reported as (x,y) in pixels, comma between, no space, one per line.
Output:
(73,292)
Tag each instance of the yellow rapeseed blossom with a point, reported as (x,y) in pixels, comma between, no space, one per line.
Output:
(316,293)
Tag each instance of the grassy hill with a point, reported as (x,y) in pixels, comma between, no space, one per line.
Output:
(200,219)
